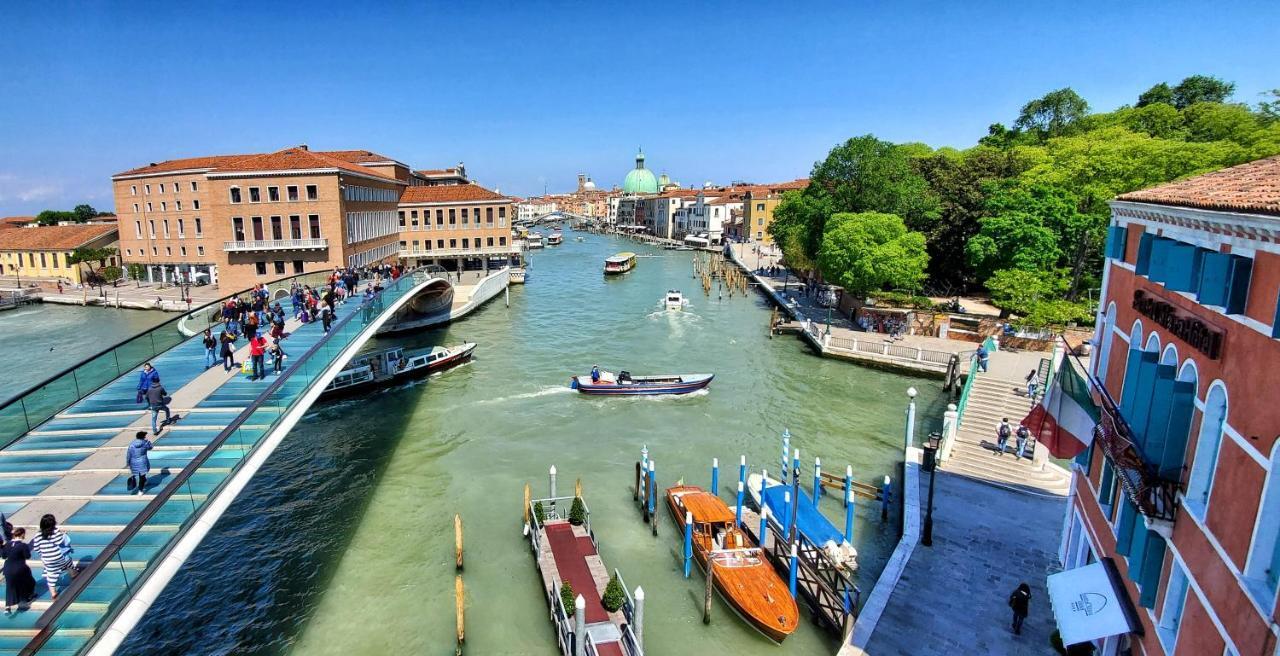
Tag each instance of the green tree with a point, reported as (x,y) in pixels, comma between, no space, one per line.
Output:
(1210,121)
(1160,94)
(1013,240)
(1053,114)
(83,213)
(111,274)
(870,251)
(797,226)
(89,256)
(1269,107)
(1018,290)
(1201,88)
(577,512)
(1158,120)
(52,217)
(614,596)
(865,174)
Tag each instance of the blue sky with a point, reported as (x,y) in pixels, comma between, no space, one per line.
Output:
(529,94)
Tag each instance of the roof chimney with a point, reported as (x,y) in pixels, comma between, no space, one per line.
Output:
(303,147)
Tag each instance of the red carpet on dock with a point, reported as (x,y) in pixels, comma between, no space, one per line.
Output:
(571,554)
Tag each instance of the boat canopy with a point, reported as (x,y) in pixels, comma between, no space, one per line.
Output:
(620,258)
(809,520)
(696,240)
(707,508)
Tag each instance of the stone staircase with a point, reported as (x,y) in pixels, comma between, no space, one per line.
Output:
(974,454)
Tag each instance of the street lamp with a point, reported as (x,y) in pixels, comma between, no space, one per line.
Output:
(931,466)
(911,415)
(828,320)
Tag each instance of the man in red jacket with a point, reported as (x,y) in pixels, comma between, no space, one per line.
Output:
(257,349)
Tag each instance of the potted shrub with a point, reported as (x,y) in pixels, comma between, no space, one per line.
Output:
(577,512)
(566,598)
(539,513)
(613,595)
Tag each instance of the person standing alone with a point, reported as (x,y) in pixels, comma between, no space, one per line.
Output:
(158,399)
(210,347)
(19,584)
(257,351)
(138,462)
(1020,603)
(228,353)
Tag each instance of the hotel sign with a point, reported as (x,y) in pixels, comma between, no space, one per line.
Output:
(1188,328)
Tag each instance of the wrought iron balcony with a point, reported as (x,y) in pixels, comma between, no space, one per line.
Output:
(1156,497)
(276,245)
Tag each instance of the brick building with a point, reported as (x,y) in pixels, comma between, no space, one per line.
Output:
(459,227)
(1180,490)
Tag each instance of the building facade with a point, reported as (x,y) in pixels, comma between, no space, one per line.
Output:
(34,253)
(459,227)
(758,204)
(1181,486)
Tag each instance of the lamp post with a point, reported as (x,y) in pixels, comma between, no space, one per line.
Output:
(828,320)
(911,416)
(931,466)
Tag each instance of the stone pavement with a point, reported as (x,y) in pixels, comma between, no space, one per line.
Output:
(952,597)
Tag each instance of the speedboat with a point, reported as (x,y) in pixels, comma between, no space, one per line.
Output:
(625,384)
(674,300)
(388,366)
(579,238)
(811,523)
(555,239)
(742,573)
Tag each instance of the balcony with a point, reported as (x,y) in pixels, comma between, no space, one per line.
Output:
(1155,496)
(275,245)
(510,249)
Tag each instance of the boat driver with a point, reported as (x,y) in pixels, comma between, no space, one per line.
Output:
(595,373)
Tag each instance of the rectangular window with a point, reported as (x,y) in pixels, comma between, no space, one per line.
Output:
(502,212)
(489,242)
(155,251)
(453,217)
(152,225)
(235,194)
(44,264)
(291,192)
(133,190)
(182,250)
(258,234)
(261,268)
(401,214)
(54,257)
(195,204)
(439,243)
(1239,275)
(137,228)
(453,243)
(273,195)
(199,227)
(466,243)
(313,223)
(177,205)
(1175,599)
(165,223)
(162,187)
(464,216)
(759,207)
(135,208)
(164,206)
(277,232)
(148,206)
(168,251)
(195,186)
(146,189)
(488,218)
(279,266)
(404,246)
(182,230)
(297,264)
(313,192)
(200,251)
(439,217)
(295,227)
(255,195)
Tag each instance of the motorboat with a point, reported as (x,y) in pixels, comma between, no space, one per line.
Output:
(620,263)
(811,523)
(579,238)
(555,239)
(674,300)
(388,366)
(624,384)
(534,240)
(743,576)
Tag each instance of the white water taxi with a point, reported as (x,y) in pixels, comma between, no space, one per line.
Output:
(674,300)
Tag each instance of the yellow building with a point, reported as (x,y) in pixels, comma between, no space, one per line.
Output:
(43,252)
(758,204)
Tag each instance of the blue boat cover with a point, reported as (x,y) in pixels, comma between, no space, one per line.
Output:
(812,523)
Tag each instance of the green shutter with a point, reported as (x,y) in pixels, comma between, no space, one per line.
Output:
(1184,267)
(1213,278)
(1179,430)
(1238,284)
(1152,565)
(1124,525)
(1161,252)
(1157,423)
(1131,366)
(1140,410)
(1144,254)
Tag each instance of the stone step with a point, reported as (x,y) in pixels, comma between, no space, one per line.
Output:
(1042,482)
(1008,464)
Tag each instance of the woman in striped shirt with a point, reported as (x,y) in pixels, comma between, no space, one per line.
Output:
(55,550)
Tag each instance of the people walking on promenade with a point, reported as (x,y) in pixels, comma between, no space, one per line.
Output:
(277,357)
(257,351)
(1020,602)
(251,325)
(277,324)
(1003,431)
(138,462)
(210,348)
(158,399)
(146,378)
(228,353)
(19,584)
(1033,383)
(1023,436)
(326,316)
(983,356)
(55,552)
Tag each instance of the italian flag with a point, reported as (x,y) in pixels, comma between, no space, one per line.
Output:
(1064,420)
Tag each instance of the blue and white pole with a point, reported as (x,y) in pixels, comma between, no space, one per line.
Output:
(764,524)
(786,453)
(738,517)
(653,489)
(795,468)
(885,491)
(817,480)
(849,504)
(688,542)
(715,476)
(795,565)
(742,470)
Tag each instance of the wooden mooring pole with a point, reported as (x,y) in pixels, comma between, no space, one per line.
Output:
(457,539)
(707,594)
(460,603)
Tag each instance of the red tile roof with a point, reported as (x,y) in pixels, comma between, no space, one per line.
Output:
(1253,187)
(357,156)
(53,238)
(296,159)
(449,194)
(16,221)
(199,163)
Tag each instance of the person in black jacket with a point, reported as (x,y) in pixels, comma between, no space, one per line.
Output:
(210,347)
(19,584)
(228,352)
(1020,602)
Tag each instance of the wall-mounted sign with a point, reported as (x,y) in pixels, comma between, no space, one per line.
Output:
(1188,328)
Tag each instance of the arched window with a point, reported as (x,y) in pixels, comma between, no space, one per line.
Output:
(1208,442)
(1107,336)
(1170,356)
(1131,364)
(1262,570)
(1153,342)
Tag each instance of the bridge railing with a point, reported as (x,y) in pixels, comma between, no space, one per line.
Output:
(240,439)
(42,401)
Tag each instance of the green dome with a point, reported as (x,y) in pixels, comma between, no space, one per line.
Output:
(640,180)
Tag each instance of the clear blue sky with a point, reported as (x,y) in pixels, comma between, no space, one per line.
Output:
(532,93)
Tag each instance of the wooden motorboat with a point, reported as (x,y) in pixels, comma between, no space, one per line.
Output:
(388,366)
(620,263)
(625,384)
(810,521)
(742,573)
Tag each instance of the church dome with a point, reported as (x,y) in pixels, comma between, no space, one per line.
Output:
(640,180)
(589,185)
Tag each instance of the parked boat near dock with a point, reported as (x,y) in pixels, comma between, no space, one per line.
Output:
(624,384)
(392,365)
(809,520)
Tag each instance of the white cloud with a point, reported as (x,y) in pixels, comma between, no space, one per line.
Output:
(27,190)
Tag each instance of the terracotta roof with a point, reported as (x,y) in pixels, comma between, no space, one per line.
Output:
(16,221)
(727,199)
(357,156)
(298,158)
(1253,187)
(51,238)
(210,162)
(438,172)
(449,194)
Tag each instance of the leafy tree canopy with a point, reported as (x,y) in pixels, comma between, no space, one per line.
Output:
(1160,94)
(1201,88)
(1053,114)
(870,251)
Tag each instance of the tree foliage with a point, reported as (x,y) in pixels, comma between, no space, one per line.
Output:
(80,214)
(1201,88)
(1053,114)
(567,597)
(1160,94)
(577,512)
(89,257)
(871,251)
(614,596)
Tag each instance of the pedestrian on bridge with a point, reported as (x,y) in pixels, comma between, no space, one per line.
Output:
(55,551)
(210,348)
(146,378)
(158,399)
(1004,430)
(983,356)
(139,464)
(228,354)
(19,584)
(257,352)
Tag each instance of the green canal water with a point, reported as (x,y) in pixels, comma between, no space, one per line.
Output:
(343,544)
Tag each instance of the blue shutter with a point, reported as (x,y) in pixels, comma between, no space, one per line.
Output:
(1140,409)
(1116,239)
(1138,549)
(1152,564)
(1213,278)
(1124,525)
(1238,284)
(1130,389)
(1184,267)
(1157,425)
(1144,254)
(1275,323)
(1161,251)
(1179,430)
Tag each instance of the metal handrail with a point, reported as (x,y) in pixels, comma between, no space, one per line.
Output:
(966,390)
(46,625)
(81,394)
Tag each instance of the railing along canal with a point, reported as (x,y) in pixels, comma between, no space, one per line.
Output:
(267,410)
(42,401)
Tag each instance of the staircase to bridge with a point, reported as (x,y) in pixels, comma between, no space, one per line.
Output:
(62,451)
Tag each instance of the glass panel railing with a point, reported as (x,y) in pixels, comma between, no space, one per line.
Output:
(177,505)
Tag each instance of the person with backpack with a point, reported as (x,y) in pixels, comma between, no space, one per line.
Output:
(228,352)
(1023,436)
(158,399)
(55,552)
(1020,603)
(1003,432)
(139,464)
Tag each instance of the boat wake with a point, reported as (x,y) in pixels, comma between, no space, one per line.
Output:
(546,391)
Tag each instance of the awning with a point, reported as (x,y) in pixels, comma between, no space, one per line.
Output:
(1090,603)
